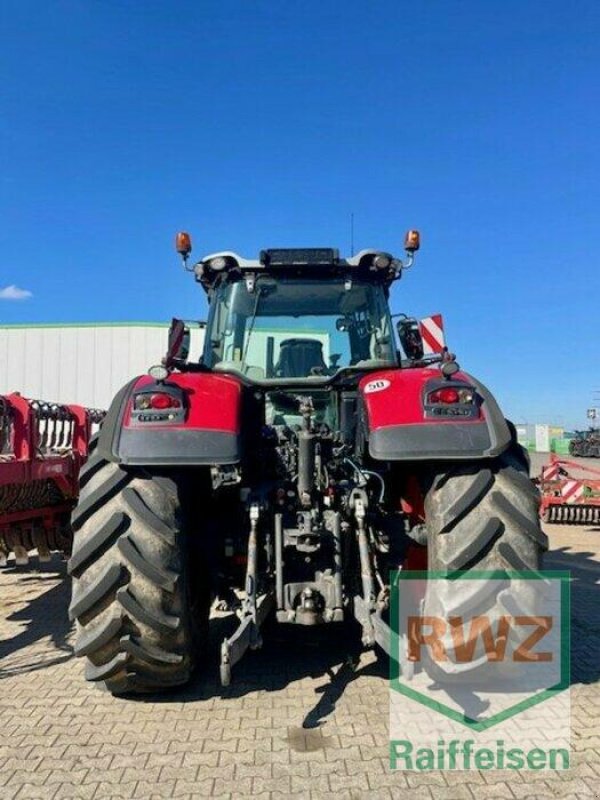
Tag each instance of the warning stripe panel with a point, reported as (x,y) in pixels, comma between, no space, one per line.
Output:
(550,473)
(432,333)
(430,345)
(572,491)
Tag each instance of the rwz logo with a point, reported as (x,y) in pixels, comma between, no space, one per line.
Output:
(432,632)
(479,648)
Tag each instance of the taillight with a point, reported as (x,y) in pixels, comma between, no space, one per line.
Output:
(450,395)
(158,400)
(164,401)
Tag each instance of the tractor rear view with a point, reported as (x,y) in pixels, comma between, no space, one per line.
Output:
(289,472)
(586,444)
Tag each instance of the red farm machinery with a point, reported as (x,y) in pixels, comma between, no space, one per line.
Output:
(570,497)
(42,447)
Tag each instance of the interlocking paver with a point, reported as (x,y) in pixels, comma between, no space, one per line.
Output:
(71,791)
(197,788)
(32,791)
(270,735)
(9,792)
(230,786)
(116,789)
(65,775)
(281,784)
(455,792)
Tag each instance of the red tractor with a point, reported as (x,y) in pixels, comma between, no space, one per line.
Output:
(303,458)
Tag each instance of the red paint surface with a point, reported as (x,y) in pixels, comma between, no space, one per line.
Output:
(214,401)
(412,501)
(416,557)
(401,403)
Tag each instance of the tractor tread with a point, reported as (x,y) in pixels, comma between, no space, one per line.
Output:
(151,522)
(104,672)
(158,621)
(156,575)
(105,582)
(468,550)
(97,543)
(91,503)
(482,597)
(93,465)
(152,655)
(524,482)
(96,637)
(514,561)
(528,525)
(466,502)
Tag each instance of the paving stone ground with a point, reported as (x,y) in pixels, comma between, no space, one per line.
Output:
(298,722)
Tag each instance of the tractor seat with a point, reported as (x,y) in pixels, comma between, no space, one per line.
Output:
(299,357)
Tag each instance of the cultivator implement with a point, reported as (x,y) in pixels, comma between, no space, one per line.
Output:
(42,446)
(569,500)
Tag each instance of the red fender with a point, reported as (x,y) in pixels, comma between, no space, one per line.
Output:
(401,425)
(205,430)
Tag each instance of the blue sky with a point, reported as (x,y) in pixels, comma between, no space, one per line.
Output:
(265,123)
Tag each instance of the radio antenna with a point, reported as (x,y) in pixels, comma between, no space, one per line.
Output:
(352,233)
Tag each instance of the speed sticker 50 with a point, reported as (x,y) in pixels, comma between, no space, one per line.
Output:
(376,386)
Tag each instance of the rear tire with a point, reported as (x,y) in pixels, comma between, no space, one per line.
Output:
(139,596)
(480,517)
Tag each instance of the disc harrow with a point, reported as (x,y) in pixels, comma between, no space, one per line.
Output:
(42,446)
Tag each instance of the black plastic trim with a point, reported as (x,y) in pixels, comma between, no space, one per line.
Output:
(426,441)
(112,424)
(171,447)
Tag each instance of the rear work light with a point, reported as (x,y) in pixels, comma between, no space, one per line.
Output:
(219,263)
(382,261)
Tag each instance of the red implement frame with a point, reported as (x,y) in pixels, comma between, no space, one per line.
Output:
(42,447)
(566,499)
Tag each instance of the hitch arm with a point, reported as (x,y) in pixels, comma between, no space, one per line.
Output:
(253,612)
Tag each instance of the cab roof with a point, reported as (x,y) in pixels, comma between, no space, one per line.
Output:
(294,257)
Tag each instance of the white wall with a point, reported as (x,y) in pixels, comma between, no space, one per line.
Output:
(85,364)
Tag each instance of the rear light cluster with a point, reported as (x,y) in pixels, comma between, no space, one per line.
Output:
(158,406)
(158,401)
(455,400)
(451,396)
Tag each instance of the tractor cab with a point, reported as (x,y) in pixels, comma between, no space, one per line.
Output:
(299,314)
(289,328)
